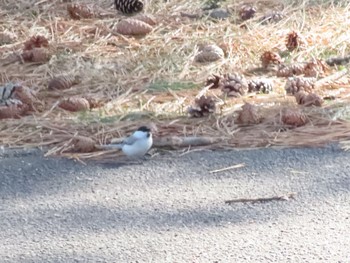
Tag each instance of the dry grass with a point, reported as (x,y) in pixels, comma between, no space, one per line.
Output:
(154,79)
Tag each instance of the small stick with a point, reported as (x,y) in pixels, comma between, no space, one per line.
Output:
(178,141)
(240,165)
(52,108)
(204,90)
(330,78)
(192,16)
(262,199)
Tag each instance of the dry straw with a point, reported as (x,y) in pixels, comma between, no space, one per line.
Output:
(154,78)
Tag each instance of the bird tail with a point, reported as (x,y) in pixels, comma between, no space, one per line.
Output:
(117,146)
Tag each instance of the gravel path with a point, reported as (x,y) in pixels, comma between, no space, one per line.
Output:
(171,209)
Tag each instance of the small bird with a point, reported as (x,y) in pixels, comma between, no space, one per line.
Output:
(129,6)
(137,144)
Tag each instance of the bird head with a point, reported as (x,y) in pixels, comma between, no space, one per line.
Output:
(142,132)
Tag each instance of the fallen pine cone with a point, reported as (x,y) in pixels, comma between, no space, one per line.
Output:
(315,68)
(63,82)
(95,103)
(296,84)
(235,85)
(247,12)
(83,144)
(25,95)
(308,99)
(36,42)
(12,109)
(75,104)
(129,6)
(203,107)
(133,27)
(38,55)
(293,117)
(260,86)
(291,70)
(269,57)
(79,11)
(12,92)
(209,53)
(249,114)
(295,41)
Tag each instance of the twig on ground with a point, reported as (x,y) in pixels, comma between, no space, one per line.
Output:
(331,78)
(262,199)
(192,16)
(178,141)
(345,145)
(240,165)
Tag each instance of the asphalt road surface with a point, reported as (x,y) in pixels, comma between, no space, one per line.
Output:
(171,208)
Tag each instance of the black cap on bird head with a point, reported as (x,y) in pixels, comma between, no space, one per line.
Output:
(144,129)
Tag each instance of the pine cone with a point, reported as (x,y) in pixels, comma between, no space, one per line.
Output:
(247,12)
(296,84)
(75,104)
(132,26)
(291,70)
(12,108)
(36,42)
(37,55)
(26,96)
(308,99)
(293,117)
(249,114)
(94,103)
(213,80)
(235,85)
(260,86)
(315,68)
(129,6)
(295,41)
(269,57)
(63,82)
(203,107)
(80,11)
(209,53)
(83,144)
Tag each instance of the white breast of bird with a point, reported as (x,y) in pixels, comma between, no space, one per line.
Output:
(140,146)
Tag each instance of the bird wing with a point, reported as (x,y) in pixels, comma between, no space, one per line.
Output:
(111,146)
(130,140)
(127,141)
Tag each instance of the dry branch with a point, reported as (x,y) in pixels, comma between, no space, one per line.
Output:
(236,166)
(262,199)
(329,79)
(177,141)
